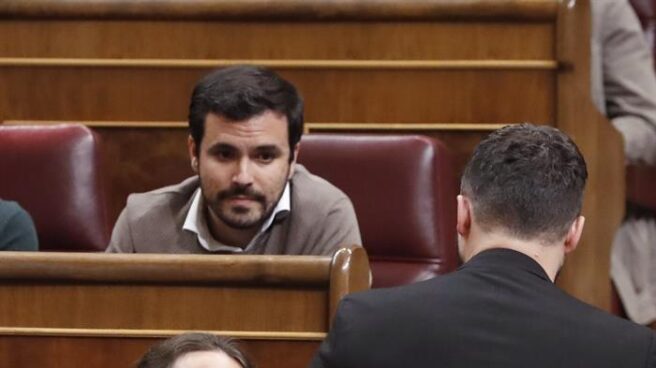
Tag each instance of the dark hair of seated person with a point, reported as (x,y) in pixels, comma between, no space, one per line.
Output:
(241,92)
(164,354)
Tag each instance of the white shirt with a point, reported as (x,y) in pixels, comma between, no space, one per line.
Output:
(197,223)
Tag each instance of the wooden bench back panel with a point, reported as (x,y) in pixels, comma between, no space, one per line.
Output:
(108,308)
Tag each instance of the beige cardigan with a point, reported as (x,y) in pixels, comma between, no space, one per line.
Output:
(321,220)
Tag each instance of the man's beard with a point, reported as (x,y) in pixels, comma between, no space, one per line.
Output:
(238,217)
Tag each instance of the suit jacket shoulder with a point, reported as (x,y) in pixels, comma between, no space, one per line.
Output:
(506,314)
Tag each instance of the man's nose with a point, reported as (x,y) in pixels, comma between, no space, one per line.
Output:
(243,172)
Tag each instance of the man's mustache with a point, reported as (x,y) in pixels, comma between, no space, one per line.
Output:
(242,191)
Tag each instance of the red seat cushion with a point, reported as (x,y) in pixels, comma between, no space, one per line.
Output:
(403,191)
(52,172)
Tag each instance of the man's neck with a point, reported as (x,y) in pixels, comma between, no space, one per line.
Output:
(548,256)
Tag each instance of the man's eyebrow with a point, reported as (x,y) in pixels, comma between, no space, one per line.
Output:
(221,147)
(268,148)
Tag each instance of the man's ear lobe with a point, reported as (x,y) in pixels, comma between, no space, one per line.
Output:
(574,234)
(193,157)
(464,216)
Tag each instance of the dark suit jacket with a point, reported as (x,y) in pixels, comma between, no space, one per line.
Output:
(498,310)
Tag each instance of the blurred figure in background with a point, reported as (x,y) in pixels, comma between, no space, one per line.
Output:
(624,89)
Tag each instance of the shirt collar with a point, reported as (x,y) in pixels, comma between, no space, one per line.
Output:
(196,222)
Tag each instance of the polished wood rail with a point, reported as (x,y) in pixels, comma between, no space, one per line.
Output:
(71,304)
(281,9)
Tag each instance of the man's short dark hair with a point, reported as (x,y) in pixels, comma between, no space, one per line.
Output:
(527,180)
(241,92)
(164,354)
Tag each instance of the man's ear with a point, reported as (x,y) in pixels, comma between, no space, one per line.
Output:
(464,216)
(574,234)
(193,157)
(292,164)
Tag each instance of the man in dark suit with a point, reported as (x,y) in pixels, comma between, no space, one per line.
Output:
(518,216)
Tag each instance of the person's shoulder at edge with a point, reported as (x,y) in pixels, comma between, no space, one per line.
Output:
(148,208)
(625,330)
(17,231)
(626,335)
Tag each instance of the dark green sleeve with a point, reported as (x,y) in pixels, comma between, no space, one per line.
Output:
(17,232)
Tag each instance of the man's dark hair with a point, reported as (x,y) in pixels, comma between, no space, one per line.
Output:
(164,354)
(241,92)
(527,180)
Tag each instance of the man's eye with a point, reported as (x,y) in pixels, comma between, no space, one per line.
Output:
(265,157)
(225,155)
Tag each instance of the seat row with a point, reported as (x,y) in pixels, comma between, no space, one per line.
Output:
(403,189)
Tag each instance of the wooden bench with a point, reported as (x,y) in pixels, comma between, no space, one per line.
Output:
(105,310)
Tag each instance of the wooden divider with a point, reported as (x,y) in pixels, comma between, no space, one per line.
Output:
(449,69)
(104,310)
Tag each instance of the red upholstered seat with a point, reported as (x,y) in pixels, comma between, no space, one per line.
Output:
(52,172)
(403,190)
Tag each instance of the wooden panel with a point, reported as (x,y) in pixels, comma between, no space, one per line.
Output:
(261,40)
(141,159)
(91,291)
(137,306)
(145,291)
(408,96)
(105,309)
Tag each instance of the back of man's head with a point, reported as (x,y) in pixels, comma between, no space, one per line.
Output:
(526,181)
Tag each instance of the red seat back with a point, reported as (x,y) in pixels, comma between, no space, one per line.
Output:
(53,172)
(403,191)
